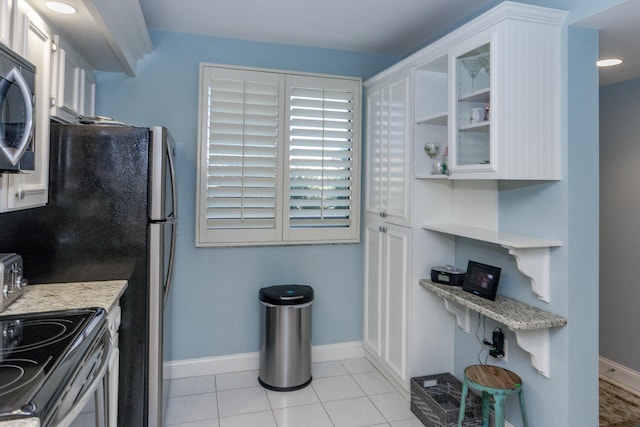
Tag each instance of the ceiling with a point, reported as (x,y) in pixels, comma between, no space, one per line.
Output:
(619,37)
(352,25)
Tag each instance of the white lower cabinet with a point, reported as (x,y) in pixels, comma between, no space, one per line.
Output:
(387,280)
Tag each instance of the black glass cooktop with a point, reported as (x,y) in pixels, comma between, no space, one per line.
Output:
(38,354)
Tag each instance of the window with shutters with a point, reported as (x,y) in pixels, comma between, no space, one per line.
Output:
(278,158)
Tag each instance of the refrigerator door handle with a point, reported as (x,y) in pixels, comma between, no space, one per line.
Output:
(172,177)
(172,252)
(174,215)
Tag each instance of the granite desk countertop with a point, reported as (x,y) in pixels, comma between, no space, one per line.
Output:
(65,296)
(514,314)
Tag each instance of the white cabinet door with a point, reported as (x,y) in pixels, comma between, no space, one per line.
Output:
(114,367)
(6,10)
(373,276)
(375,148)
(398,170)
(32,40)
(389,149)
(472,145)
(88,93)
(387,280)
(73,85)
(397,251)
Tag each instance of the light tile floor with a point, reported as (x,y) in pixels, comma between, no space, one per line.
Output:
(348,393)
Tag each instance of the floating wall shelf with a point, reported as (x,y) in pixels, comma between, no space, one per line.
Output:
(531,253)
(530,324)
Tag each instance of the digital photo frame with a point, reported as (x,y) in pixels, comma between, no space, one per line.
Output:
(482,280)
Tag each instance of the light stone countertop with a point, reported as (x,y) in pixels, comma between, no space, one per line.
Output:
(27,422)
(514,314)
(65,296)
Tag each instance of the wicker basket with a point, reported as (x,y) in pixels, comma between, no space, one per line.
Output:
(435,400)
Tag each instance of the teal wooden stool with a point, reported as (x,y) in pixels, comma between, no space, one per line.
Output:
(491,381)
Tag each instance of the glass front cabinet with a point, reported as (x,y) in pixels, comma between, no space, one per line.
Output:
(504,97)
(472,145)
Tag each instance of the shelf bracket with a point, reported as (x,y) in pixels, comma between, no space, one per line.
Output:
(536,343)
(462,314)
(534,263)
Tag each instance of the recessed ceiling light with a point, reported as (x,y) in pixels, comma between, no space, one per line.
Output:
(609,62)
(60,7)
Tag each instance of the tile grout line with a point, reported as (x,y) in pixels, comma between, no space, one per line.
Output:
(322,404)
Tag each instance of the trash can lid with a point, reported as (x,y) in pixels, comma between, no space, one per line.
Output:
(287,294)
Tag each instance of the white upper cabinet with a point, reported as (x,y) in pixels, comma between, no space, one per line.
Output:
(73,81)
(505,96)
(6,10)
(65,90)
(388,148)
(503,113)
(32,39)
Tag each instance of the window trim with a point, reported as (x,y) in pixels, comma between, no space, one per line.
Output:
(282,234)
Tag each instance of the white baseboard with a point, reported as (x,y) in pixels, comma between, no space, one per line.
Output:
(251,361)
(619,373)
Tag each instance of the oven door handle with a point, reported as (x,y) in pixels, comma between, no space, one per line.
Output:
(98,379)
(14,154)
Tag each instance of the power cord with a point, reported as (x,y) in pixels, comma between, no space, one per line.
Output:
(482,341)
(496,344)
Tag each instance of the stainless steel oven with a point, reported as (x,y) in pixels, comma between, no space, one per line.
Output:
(17,118)
(51,363)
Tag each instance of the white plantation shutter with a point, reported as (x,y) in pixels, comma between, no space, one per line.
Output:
(242,153)
(322,116)
(278,158)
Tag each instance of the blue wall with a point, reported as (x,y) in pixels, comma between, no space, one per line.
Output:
(619,213)
(213,308)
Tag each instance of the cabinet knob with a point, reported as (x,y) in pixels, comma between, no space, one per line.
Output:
(20,195)
(382,229)
(383,214)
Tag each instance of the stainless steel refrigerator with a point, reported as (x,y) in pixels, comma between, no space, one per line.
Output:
(111,215)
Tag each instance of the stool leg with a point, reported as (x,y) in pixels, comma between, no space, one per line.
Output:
(486,405)
(499,408)
(463,402)
(522,408)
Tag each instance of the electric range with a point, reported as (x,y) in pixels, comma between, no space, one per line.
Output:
(48,361)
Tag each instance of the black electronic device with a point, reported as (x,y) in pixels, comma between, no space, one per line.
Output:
(447,275)
(482,280)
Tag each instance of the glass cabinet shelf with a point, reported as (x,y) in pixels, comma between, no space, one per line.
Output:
(482,95)
(439,119)
(484,125)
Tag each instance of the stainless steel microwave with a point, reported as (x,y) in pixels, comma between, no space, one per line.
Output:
(17,112)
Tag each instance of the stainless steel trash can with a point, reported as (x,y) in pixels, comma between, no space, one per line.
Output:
(285,337)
